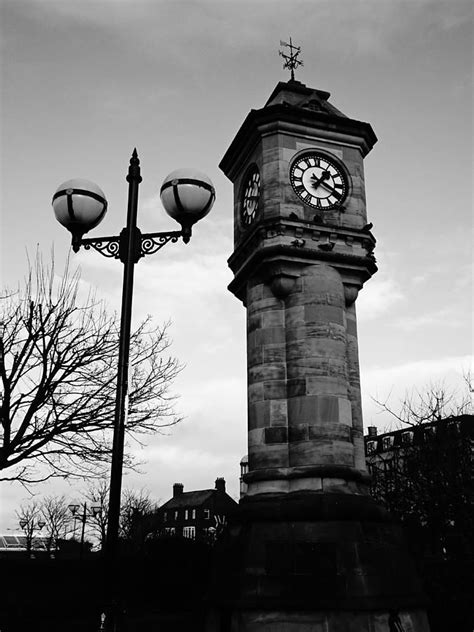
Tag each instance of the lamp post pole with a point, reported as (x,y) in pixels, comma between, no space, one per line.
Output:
(80,205)
(130,237)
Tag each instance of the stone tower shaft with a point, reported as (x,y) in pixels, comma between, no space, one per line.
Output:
(298,271)
(309,550)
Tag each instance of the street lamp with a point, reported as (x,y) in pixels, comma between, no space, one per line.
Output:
(29,526)
(187,196)
(92,513)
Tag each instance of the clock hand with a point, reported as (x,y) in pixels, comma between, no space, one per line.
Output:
(331,189)
(325,175)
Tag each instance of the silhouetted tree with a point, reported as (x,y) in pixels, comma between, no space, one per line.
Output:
(58,361)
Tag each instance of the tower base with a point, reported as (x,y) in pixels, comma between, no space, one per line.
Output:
(315,562)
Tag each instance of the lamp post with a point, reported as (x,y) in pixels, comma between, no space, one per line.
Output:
(92,513)
(29,526)
(187,196)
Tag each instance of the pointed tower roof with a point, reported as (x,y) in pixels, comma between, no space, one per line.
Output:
(293,106)
(297,94)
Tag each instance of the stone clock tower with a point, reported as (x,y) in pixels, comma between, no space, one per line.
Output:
(310,550)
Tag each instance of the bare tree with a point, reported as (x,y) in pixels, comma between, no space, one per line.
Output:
(58,375)
(424,473)
(57,518)
(134,506)
(97,495)
(432,403)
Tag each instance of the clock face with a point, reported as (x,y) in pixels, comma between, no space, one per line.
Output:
(319,181)
(250,198)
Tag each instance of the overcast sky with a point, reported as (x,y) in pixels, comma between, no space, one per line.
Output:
(83,82)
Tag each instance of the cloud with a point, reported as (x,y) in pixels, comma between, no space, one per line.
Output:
(378,297)
(448,317)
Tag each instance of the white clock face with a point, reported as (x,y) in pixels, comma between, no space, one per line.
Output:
(250,198)
(319,181)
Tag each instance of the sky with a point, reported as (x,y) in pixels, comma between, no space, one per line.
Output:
(83,82)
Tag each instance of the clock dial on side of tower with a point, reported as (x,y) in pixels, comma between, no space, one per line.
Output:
(319,180)
(250,197)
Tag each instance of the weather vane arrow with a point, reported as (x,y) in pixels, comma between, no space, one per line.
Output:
(291,60)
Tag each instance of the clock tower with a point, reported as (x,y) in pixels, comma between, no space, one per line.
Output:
(311,550)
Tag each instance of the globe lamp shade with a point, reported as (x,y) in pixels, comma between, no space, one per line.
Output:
(79,205)
(187,196)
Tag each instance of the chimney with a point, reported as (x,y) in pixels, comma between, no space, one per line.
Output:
(372,430)
(177,489)
(220,484)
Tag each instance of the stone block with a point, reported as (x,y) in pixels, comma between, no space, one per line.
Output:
(264,305)
(254,292)
(330,432)
(317,385)
(255,392)
(256,437)
(258,414)
(274,318)
(262,456)
(314,348)
(274,353)
(298,433)
(338,368)
(278,415)
(275,389)
(307,367)
(254,321)
(323,314)
(266,372)
(351,327)
(302,410)
(313,484)
(254,354)
(296,387)
(271,335)
(345,411)
(276,434)
(294,316)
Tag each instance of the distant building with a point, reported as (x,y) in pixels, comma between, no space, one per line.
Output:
(197,514)
(424,475)
(21,543)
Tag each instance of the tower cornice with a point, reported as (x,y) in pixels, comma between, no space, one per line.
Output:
(294,244)
(294,120)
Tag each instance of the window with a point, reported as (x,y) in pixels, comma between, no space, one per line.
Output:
(407,437)
(371,447)
(207,514)
(387,443)
(430,433)
(186,514)
(170,531)
(165,516)
(189,532)
(193,514)
(176,514)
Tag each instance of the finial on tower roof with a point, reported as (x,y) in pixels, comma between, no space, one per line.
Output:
(291,60)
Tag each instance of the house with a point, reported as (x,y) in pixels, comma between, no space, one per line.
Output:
(197,514)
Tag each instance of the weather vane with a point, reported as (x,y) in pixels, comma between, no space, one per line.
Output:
(291,60)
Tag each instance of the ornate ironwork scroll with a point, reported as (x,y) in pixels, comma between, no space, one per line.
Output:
(152,242)
(107,246)
(147,244)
